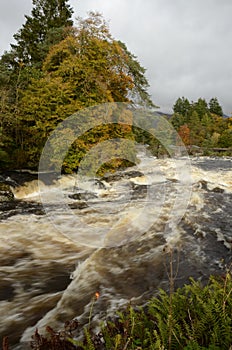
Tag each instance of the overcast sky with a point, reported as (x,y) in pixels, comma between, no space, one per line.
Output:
(186,46)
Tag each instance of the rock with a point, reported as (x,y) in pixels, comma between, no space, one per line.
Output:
(132,173)
(7,180)
(112,177)
(79,205)
(84,196)
(139,191)
(203,184)
(218,190)
(122,175)
(99,184)
(6,193)
(18,178)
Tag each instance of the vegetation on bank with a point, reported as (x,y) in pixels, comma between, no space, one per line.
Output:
(55,69)
(202,124)
(193,317)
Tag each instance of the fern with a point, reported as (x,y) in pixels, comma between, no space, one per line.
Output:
(200,317)
(191,318)
(89,343)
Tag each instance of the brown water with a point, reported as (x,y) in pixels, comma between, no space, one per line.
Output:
(115,239)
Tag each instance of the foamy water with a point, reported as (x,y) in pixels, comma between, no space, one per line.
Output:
(113,236)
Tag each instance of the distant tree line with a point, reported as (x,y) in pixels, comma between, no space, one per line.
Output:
(202,124)
(55,69)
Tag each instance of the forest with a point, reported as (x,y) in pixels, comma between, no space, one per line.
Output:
(56,68)
(203,124)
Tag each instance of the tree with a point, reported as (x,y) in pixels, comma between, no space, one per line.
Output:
(225,140)
(45,27)
(139,93)
(182,106)
(48,24)
(215,107)
(184,133)
(201,107)
(88,67)
(177,120)
(182,110)
(92,42)
(195,128)
(206,124)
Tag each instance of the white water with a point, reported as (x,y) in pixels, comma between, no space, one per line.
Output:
(114,244)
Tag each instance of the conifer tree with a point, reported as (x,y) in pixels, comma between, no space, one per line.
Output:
(182,106)
(215,107)
(45,27)
(201,107)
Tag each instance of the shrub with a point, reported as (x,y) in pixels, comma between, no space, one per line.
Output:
(194,317)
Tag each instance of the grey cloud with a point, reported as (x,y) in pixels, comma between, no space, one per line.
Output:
(185,45)
(11,18)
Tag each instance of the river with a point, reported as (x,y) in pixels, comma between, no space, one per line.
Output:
(116,238)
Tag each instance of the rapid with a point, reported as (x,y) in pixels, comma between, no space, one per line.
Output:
(113,235)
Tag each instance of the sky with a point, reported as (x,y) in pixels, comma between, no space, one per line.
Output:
(185,46)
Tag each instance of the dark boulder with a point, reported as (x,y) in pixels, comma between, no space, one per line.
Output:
(122,175)
(218,190)
(139,191)
(83,196)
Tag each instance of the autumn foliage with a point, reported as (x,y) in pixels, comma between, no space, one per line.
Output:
(184,133)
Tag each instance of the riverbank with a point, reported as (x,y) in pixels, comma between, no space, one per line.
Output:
(192,317)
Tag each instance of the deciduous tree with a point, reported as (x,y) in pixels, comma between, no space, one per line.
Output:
(88,67)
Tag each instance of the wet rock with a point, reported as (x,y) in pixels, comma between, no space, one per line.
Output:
(18,178)
(14,207)
(133,173)
(203,184)
(6,193)
(139,191)
(79,205)
(122,175)
(99,184)
(112,177)
(218,190)
(8,181)
(83,196)
(7,205)
(174,180)
(6,291)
